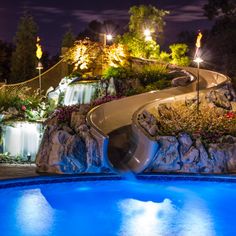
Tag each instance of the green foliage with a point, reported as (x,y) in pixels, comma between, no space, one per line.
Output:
(165,57)
(68,39)
(23,58)
(5,62)
(178,54)
(215,8)
(138,47)
(152,73)
(150,77)
(221,39)
(146,17)
(19,103)
(118,73)
(7,158)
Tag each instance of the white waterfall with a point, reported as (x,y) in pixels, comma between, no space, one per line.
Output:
(22,139)
(80,93)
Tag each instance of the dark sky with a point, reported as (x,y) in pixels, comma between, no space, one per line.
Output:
(54,16)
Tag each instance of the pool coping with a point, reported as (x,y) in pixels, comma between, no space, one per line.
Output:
(38,180)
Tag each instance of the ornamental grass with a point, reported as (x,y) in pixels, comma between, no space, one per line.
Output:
(208,124)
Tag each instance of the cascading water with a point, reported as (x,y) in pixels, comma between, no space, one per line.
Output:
(22,139)
(80,93)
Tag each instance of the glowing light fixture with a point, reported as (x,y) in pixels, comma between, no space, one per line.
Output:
(198,60)
(147,34)
(109,37)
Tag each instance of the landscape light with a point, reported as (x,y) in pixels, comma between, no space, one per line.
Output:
(109,37)
(198,60)
(147,34)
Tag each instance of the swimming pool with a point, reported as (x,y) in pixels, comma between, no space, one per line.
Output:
(148,206)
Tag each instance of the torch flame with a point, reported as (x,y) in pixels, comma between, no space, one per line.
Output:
(198,42)
(39,51)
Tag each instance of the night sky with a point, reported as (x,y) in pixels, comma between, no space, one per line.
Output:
(54,16)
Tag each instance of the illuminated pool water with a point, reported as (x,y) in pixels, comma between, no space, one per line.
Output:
(118,207)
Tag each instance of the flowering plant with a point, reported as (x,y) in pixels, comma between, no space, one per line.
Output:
(209,124)
(64,113)
(230,115)
(105,99)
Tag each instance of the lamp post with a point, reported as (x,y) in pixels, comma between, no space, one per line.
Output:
(105,38)
(198,60)
(39,67)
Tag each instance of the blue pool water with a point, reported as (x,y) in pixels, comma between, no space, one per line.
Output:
(118,207)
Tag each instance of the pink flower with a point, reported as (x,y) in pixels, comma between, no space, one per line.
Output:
(23,108)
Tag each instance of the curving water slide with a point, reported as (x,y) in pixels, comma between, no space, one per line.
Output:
(123,144)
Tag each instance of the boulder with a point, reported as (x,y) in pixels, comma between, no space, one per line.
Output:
(167,158)
(148,122)
(228,90)
(77,119)
(219,99)
(94,161)
(218,156)
(181,81)
(42,156)
(185,142)
(189,161)
(61,152)
(204,163)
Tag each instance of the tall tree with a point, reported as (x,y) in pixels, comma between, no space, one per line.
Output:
(5,60)
(220,8)
(23,58)
(68,38)
(222,41)
(95,28)
(144,18)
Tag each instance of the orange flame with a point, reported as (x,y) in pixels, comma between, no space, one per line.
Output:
(39,51)
(198,42)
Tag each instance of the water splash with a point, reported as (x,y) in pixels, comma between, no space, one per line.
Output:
(130,176)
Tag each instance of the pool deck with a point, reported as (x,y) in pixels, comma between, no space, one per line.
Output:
(17,171)
(10,172)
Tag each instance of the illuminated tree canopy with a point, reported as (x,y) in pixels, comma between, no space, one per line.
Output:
(86,55)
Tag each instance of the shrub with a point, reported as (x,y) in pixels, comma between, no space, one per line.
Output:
(118,73)
(178,54)
(209,124)
(165,57)
(152,73)
(64,113)
(22,103)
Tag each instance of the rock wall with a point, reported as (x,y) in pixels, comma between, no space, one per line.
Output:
(186,155)
(69,148)
(182,154)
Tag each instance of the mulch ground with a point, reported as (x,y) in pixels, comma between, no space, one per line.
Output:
(17,171)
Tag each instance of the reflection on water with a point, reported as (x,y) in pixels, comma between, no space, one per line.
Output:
(163,218)
(34,215)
